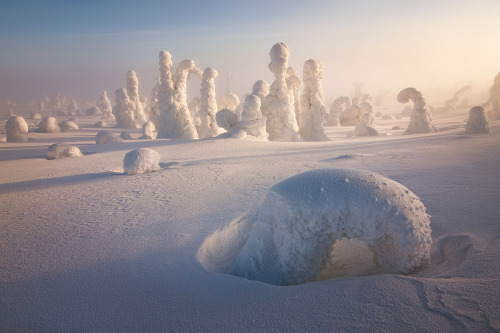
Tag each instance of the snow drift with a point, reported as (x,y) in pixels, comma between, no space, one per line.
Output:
(295,235)
(142,160)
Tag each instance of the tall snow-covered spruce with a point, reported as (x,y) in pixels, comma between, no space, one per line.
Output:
(105,106)
(312,103)
(208,105)
(279,104)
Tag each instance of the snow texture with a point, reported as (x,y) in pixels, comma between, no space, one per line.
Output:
(312,103)
(142,160)
(478,121)
(60,150)
(252,125)
(106,137)
(68,126)
(105,106)
(364,126)
(228,101)
(175,119)
(48,125)
(208,105)
(227,118)
(420,116)
(293,238)
(16,129)
(279,104)
(494,99)
(261,89)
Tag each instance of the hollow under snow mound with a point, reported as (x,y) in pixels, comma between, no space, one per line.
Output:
(142,160)
(322,224)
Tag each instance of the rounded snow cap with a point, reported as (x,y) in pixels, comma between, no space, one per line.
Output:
(209,73)
(142,160)
(313,68)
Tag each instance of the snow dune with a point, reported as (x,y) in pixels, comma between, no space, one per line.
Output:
(86,248)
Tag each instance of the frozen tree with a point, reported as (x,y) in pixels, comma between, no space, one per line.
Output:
(227,118)
(16,129)
(148,131)
(72,108)
(41,106)
(154,112)
(124,110)
(420,116)
(312,103)
(279,104)
(68,126)
(107,137)
(478,121)
(175,118)
(142,160)
(105,106)
(364,126)
(133,94)
(48,125)
(60,150)
(208,105)
(260,89)
(228,101)
(494,99)
(252,123)
(451,105)
(336,110)
(294,82)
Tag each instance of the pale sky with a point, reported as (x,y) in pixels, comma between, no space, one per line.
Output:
(80,48)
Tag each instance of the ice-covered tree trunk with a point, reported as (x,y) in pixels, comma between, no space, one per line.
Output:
(105,106)
(494,99)
(420,117)
(133,94)
(279,104)
(208,105)
(312,103)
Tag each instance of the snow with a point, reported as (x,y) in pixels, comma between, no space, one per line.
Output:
(86,248)
(208,106)
(142,160)
(478,122)
(420,116)
(49,124)
(60,150)
(16,129)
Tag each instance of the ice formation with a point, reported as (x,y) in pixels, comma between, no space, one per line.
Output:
(48,125)
(105,106)
(279,104)
(420,116)
(60,150)
(68,126)
(16,129)
(142,160)
(364,126)
(208,105)
(133,94)
(295,235)
(253,124)
(124,110)
(312,103)
(494,99)
(106,137)
(478,121)
(294,82)
(148,131)
(175,118)
(337,109)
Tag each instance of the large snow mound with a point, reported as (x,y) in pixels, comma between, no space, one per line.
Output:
(301,230)
(142,160)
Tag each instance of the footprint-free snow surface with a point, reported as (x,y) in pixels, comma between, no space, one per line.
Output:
(84,247)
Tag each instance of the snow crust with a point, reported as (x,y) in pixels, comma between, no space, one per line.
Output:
(293,238)
(142,160)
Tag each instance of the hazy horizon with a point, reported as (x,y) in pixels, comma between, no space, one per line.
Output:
(81,49)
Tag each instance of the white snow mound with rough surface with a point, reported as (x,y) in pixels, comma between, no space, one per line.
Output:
(294,235)
(142,160)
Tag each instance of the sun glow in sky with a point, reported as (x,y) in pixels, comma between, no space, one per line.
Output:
(80,48)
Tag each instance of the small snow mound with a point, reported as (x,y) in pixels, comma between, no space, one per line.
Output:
(301,229)
(105,137)
(16,129)
(60,150)
(142,160)
(68,126)
(49,125)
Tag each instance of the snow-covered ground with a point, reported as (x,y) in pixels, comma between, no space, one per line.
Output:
(84,247)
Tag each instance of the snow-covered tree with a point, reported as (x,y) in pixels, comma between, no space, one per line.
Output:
(208,105)
(72,107)
(124,110)
(294,82)
(16,129)
(133,94)
(451,104)
(364,126)
(337,109)
(478,122)
(154,111)
(148,130)
(494,99)
(228,101)
(312,103)
(420,116)
(279,104)
(105,106)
